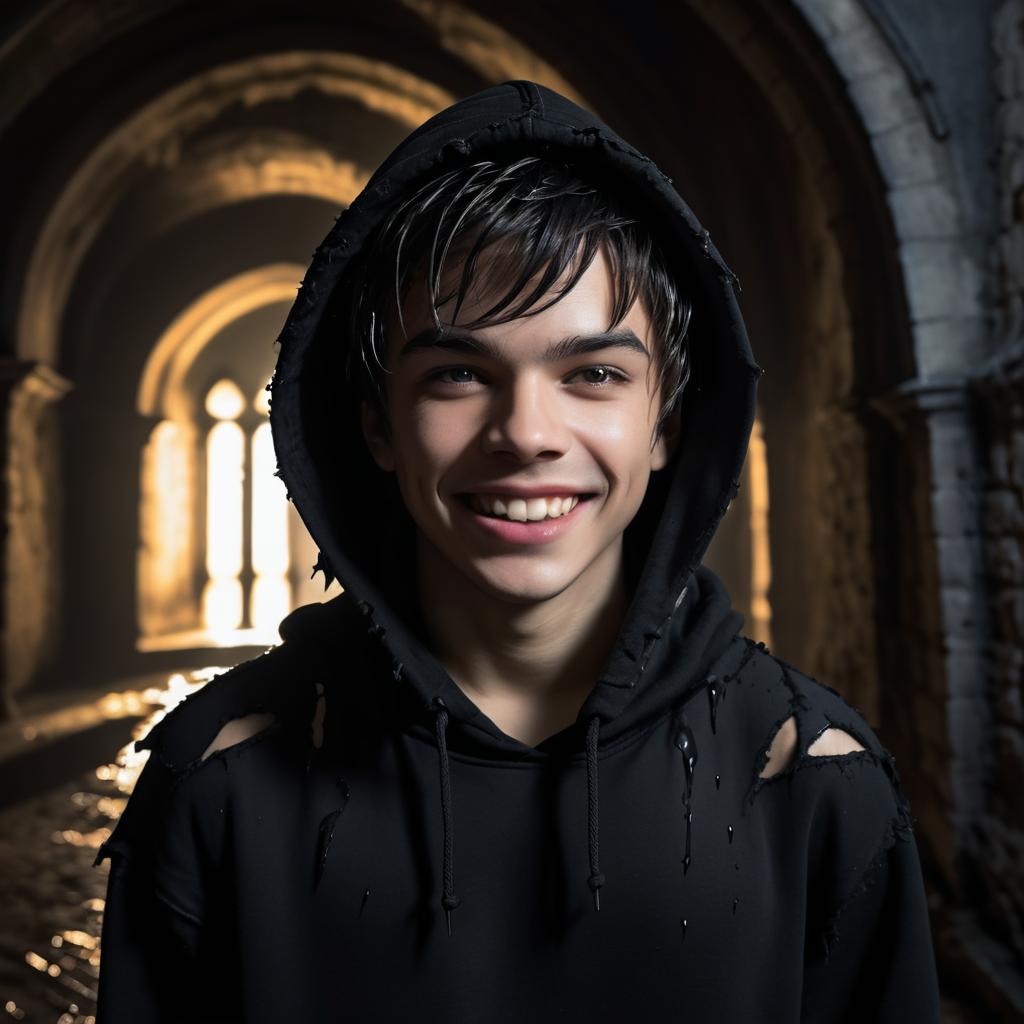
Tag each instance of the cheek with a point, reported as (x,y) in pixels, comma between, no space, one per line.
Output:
(432,436)
(617,437)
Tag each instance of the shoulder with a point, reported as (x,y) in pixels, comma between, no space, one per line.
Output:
(798,729)
(275,691)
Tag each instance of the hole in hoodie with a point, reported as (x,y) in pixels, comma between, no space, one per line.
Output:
(782,749)
(833,741)
(238,729)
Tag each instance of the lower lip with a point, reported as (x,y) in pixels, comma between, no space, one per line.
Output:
(542,531)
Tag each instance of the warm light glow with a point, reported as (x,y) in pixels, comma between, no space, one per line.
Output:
(129,762)
(224,401)
(760,547)
(270,600)
(225,470)
(222,606)
(166,600)
(261,403)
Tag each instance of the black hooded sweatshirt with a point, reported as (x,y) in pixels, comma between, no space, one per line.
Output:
(384,852)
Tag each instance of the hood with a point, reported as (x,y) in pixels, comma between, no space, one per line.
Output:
(679,617)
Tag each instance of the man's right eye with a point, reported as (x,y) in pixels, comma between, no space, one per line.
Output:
(443,375)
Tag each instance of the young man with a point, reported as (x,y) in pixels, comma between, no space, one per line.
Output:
(526,767)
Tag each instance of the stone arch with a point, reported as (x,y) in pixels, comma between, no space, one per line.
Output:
(160,383)
(154,136)
(943,278)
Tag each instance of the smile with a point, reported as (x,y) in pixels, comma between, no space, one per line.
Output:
(524,521)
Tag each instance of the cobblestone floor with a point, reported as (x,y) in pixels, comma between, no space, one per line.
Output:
(51,895)
(52,900)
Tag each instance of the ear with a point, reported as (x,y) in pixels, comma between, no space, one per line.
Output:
(377,437)
(665,446)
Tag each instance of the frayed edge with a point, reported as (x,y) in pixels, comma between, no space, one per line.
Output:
(797,703)
(180,772)
(851,730)
(898,829)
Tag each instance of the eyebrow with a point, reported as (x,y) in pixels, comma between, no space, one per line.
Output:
(456,341)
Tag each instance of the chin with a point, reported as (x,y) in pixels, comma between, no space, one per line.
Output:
(522,588)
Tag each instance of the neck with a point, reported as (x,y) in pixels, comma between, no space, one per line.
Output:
(501,651)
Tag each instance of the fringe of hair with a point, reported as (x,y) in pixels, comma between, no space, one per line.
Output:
(545,220)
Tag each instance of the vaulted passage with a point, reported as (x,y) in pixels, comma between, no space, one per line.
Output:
(156,239)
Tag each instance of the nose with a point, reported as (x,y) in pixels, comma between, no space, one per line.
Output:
(527,420)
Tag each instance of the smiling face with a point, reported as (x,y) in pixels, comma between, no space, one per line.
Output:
(549,405)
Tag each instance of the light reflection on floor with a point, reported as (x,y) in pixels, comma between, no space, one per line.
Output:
(52,895)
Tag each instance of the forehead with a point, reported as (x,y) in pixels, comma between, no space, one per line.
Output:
(584,311)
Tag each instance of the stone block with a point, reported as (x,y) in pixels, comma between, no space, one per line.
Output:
(860,52)
(1005,556)
(942,281)
(954,512)
(1004,514)
(925,211)
(961,560)
(1008,606)
(950,345)
(954,461)
(885,101)
(831,18)
(959,611)
(908,155)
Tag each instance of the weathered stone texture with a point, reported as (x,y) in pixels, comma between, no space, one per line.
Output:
(997,849)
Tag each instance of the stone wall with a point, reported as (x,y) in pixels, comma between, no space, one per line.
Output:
(997,848)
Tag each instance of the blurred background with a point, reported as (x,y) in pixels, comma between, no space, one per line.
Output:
(167,168)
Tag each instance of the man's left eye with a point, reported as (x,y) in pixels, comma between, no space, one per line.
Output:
(610,376)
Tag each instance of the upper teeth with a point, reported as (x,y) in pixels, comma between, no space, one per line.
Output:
(521,509)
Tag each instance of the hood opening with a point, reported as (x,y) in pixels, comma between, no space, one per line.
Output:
(354,510)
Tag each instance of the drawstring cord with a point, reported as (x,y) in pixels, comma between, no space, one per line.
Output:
(448,899)
(596,879)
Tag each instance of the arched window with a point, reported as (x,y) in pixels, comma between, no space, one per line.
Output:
(223,555)
(247,551)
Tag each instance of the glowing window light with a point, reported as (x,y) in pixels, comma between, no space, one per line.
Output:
(224,401)
(261,403)
(166,508)
(225,476)
(761,564)
(270,600)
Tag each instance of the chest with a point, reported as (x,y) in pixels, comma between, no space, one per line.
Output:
(691,881)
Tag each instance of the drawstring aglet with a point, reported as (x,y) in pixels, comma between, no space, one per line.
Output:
(597,899)
(448,915)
